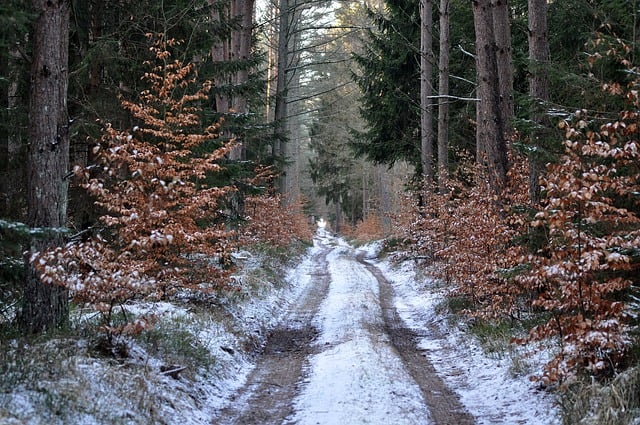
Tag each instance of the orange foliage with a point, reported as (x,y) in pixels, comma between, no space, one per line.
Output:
(470,233)
(591,216)
(270,222)
(369,229)
(582,275)
(162,229)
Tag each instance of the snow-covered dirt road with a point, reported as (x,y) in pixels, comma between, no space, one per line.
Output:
(344,356)
(340,338)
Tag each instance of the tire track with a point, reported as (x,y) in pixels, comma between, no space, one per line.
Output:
(443,403)
(266,398)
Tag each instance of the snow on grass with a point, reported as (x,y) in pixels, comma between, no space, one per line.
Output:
(485,384)
(354,378)
(65,381)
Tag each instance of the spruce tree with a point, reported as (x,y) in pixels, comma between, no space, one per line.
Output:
(388,76)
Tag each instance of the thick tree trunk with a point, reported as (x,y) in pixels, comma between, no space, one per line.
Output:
(538,87)
(426,91)
(491,146)
(502,34)
(443,90)
(46,306)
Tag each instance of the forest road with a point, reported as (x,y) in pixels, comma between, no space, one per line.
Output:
(343,356)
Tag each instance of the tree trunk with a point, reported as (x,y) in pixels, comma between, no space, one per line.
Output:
(538,87)
(426,91)
(280,111)
(502,34)
(242,10)
(220,53)
(12,170)
(443,90)
(491,147)
(44,306)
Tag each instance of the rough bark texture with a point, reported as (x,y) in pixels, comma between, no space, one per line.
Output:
(280,109)
(281,69)
(502,34)
(426,91)
(219,53)
(242,10)
(46,306)
(538,86)
(491,147)
(443,90)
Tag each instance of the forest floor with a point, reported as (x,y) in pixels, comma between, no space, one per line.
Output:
(344,338)
(362,348)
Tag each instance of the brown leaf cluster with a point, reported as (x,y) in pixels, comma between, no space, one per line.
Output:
(369,229)
(584,274)
(162,230)
(469,233)
(271,222)
(580,279)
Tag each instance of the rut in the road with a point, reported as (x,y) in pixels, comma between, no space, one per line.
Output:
(443,403)
(279,376)
(267,397)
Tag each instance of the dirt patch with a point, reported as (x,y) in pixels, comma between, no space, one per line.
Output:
(443,403)
(284,341)
(267,396)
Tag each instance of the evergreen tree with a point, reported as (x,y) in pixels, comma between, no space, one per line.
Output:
(15,21)
(388,77)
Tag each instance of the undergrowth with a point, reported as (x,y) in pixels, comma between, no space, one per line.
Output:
(156,376)
(615,402)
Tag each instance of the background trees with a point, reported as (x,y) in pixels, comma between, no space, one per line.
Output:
(339,88)
(388,68)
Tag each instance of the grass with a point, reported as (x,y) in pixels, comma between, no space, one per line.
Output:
(175,341)
(589,402)
(586,401)
(67,377)
(494,336)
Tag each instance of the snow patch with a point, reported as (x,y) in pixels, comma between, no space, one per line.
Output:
(485,385)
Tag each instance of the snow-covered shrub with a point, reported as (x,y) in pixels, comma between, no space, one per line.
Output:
(584,274)
(162,229)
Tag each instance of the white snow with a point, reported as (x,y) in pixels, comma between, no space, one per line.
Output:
(358,378)
(355,377)
(485,385)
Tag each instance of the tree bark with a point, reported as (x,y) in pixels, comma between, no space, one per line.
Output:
(443,90)
(45,306)
(280,108)
(502,34)
(242,10)
(220,53)
(12,169)
(538,88)
(426,91)
(490,142)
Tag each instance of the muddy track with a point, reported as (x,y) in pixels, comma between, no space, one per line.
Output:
(266,398)
(443,403)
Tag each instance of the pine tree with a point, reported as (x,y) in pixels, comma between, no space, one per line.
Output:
(388,77)
(45,306)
